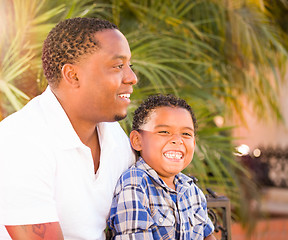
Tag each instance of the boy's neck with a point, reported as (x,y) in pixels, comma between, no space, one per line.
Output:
(169,182)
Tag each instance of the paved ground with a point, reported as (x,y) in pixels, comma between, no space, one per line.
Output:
(271,229)
(274,204)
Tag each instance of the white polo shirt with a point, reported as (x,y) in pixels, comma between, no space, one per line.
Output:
(47,173)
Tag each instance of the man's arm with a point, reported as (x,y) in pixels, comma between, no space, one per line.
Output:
(48,231)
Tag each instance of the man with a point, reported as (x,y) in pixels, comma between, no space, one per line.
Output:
(62,154)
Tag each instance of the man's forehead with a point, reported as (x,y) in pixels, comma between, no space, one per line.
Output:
(113,42)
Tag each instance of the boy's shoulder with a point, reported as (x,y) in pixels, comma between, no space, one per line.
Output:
(185,179)
(190,182)
(134,176)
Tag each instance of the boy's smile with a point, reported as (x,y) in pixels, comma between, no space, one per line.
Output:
(174,155)
(166,141)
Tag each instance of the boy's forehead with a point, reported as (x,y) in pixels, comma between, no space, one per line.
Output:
(164,114)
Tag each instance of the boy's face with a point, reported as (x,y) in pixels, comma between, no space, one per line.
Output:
(167,141)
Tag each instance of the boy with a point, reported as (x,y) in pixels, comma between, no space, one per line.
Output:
(153,199)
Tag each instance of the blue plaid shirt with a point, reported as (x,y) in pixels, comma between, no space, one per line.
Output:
(143,207)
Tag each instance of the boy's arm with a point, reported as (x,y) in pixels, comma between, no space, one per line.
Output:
(209,226)
(129,217)
(210,237)
(49,231)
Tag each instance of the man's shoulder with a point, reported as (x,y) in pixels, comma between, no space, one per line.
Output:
(23,120)
(24,127)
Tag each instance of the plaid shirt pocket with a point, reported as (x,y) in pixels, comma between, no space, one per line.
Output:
(164,218)
(164,224)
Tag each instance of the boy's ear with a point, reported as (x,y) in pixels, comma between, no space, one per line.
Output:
(136,140)
(69,75)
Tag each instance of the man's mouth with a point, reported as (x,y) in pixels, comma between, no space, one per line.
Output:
(124,96)
(173,155)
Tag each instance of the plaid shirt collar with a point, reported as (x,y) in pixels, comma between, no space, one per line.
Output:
(182,182)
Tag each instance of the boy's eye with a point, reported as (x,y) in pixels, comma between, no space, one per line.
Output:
(163,132)
(187,134)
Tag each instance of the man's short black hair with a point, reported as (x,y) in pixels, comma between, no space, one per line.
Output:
(142,113)
(68,41)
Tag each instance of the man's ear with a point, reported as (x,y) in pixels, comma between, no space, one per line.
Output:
(69,75)
(136,140)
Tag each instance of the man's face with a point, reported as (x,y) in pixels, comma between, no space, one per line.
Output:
(106,79)
(167,141)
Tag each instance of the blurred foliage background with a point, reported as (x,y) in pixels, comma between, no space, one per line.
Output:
(212,53)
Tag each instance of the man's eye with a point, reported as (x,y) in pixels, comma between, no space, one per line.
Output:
(120,66)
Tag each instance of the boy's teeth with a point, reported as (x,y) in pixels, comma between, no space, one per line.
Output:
(173,155)
(126,95)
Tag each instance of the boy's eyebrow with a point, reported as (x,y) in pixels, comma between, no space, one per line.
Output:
(163,125)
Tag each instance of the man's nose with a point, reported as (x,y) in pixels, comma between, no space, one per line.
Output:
(130,77)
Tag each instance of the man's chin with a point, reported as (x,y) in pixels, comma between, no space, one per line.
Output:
(119,118)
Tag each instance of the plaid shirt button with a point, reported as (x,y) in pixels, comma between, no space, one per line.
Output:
(161,220)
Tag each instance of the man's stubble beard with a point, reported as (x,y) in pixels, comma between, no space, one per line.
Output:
(119,118)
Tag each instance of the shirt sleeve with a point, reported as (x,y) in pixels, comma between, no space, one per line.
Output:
(209,226)
(130,217)
(26,183)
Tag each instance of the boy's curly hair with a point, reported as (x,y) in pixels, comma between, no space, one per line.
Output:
(142,113)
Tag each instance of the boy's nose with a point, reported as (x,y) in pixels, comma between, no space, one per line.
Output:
(176,140)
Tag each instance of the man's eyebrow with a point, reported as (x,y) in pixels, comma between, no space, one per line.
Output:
(119,57)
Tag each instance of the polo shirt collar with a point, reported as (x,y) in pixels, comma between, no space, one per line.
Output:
(58,121)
